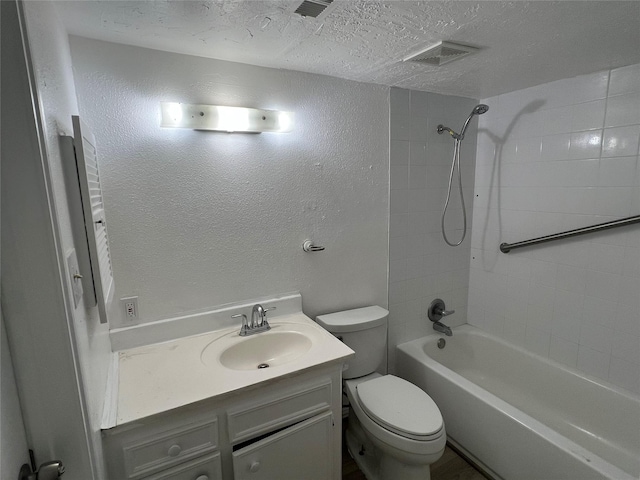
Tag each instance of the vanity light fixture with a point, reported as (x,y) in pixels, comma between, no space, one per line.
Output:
(224,119)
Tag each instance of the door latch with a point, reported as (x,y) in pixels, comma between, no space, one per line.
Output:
(47,471)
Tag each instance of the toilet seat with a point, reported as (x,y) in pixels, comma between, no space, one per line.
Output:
(401,407)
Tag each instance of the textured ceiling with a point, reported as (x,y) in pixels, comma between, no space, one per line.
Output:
(523,43)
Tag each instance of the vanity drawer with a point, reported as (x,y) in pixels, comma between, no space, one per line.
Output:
(205,468)
(279,409)
(162,450)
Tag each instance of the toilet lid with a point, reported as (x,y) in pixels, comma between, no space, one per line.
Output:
(400,406)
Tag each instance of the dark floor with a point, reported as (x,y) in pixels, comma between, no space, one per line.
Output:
(450,467)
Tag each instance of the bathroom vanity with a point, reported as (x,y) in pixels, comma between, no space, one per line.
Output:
(199,408)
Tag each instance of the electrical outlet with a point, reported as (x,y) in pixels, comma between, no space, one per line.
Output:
(130,308)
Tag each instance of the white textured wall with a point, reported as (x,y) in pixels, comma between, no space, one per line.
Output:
(422,267)
(198,219)
(552,158)
(52,64)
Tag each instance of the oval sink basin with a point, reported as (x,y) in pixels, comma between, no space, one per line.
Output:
(263,350)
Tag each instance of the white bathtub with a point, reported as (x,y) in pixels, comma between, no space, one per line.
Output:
(521,416)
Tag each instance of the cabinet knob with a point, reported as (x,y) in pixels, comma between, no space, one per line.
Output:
(255,466)
(174,450)
(203,477)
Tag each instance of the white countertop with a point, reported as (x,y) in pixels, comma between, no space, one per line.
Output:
(156,378)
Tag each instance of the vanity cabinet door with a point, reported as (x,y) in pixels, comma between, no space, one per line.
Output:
(302,451)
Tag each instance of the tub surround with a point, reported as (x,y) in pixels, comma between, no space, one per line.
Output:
(421,265)
(551,158)
(160,377)
(487,388)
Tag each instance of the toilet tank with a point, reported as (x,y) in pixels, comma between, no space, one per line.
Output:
(364,330)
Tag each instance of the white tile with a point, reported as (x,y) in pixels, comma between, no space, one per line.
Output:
(397,248)
(598,311)
(416,266)
(418,201)
(597,337)
(588,116)
(629,291)
(606,258)
(631,262)
(399,100)
(398,270)
(439,153)
(618,172)
(556,147)
(419,103)
(537,341)
(399,201)
(579,200)
(417,223)
(571,278)
(399,155)
(590,87)
(614,201)
(397,292)
(557,120)
(621,141)
(623,110)
(398,225)
(625,374)
(417,176)
(566,326)
(418,129)
(399,177)
(626,346)
(585,144)
(627,319)
(529,149)
(418,153)
(593,362)
(563,351)
(400,127)
(625,80)
(514,330)
(543,272)
(602,285)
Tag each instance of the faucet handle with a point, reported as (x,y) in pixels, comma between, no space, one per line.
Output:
(437,310)
(245,327)
(264,316)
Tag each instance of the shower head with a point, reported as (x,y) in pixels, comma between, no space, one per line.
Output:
(477,110)
(480,109)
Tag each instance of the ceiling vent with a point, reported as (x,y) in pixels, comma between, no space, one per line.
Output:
(441,53)
(313,8)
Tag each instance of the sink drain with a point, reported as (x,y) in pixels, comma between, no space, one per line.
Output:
(263,365)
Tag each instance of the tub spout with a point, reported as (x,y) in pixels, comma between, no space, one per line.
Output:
(442,328)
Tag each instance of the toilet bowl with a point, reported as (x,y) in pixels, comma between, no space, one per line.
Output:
(403,424)
(395,430)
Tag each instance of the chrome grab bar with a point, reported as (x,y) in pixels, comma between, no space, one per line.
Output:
(507,247)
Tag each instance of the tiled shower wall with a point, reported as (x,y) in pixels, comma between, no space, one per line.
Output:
(421,266)
(551,158)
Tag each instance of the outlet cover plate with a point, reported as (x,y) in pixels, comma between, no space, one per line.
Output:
(130,308)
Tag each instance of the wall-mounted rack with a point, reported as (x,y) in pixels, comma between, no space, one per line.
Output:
(507,247)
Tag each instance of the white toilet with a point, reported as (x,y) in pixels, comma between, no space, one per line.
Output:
(395,429)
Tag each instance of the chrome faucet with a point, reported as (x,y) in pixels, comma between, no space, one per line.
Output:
(258,321)
(257,316)
(442,328)
(436,312)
